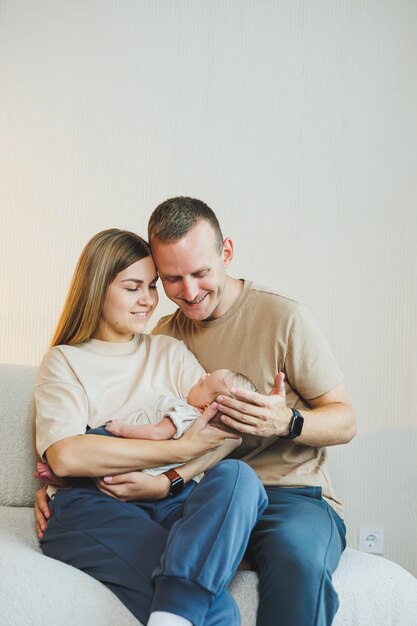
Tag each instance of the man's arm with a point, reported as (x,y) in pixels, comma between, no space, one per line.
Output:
(42,511)
(330,420)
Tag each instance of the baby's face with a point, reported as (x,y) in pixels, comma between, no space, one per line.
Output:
(208,388)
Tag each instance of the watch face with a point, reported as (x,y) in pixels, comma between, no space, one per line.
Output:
(177,486)
(296,425)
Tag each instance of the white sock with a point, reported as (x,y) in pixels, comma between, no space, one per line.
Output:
(162,618)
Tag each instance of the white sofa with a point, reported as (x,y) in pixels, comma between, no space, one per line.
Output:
(36,590)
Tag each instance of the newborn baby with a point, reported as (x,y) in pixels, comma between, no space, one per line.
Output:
(169,418)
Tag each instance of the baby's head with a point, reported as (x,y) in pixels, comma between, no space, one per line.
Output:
(218,382)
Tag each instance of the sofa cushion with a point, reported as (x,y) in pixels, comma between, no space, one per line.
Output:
(40,591)
(374,591)
(16,416)
(35,589)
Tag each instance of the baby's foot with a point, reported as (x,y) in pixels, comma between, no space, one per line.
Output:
(116,427)
(46,475)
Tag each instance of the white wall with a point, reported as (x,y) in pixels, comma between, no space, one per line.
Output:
(296,121)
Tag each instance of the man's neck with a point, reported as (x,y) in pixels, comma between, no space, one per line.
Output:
(233,289)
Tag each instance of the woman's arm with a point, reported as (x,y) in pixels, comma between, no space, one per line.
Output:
(141,486)
(138,485)
(203,463)
(94,455)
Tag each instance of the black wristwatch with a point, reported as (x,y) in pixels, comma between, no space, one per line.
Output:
(296,425)
(177,482)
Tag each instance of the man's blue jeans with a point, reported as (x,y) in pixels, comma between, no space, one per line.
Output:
(296,547)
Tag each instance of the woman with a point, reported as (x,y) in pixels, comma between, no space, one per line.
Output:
(170,558)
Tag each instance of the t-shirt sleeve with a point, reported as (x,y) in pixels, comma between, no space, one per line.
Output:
(181,414)
(61,402)
(310,366)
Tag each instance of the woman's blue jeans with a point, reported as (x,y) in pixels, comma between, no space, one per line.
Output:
(177,555)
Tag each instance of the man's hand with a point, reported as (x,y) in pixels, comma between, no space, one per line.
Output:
(252,413)
(134,486)
(329,421)
(42,511)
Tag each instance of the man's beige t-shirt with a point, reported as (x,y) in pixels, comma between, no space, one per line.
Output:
(94,382)
(264,333)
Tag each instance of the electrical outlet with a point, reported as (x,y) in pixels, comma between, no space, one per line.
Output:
(371,540)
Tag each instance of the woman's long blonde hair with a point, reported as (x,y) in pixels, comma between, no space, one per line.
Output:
(105,255)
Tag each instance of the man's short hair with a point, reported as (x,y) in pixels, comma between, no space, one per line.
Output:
(174,218)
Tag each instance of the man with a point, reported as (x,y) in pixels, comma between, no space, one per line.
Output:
(230,323)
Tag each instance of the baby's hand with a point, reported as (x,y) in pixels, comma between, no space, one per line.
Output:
(115,427)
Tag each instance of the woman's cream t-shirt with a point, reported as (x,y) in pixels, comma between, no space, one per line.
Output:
(94,382)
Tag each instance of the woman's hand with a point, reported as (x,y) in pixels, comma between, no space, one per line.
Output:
(42,511)
(201,437)
(134,486)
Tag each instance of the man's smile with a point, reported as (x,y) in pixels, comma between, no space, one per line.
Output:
(196,300)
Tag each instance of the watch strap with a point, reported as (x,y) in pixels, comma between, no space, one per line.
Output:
(177,482)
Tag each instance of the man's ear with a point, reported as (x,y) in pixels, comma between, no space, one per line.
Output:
(227,251)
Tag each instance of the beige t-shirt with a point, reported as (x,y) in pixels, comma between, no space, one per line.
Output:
(264,333)
(94,382)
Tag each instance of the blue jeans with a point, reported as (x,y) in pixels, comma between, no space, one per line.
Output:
(178,554)
(296,547)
